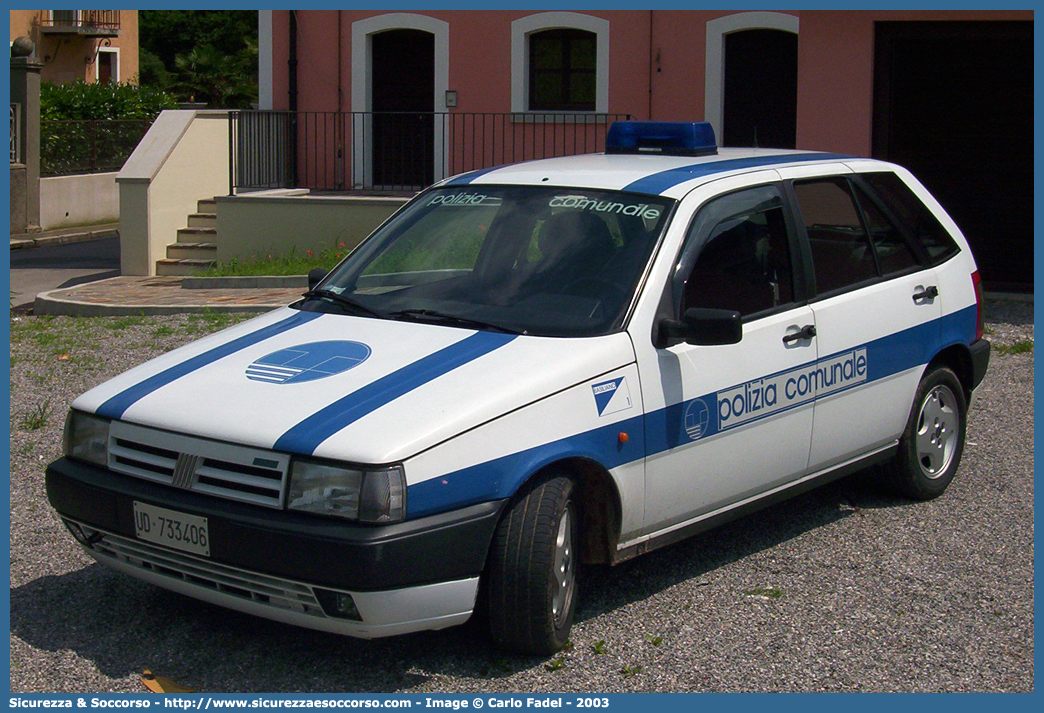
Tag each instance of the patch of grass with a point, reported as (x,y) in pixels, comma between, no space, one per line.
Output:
(37,416)
(654,639)
(1023,346)
(765,592)
(598,647)
(162,331)
(275,264)
(123,322)
(213,321)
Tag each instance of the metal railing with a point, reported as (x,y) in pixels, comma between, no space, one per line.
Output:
(82,19)
(396,151)
(88,146)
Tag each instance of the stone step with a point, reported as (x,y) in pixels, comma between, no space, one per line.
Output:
(197,235)
(198,251)
(202,220)
(206,205)
(175,267)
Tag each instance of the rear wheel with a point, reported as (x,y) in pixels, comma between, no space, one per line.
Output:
(931,446)
(532,569)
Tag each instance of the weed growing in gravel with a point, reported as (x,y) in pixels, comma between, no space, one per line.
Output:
(37,416)
(598,647)
(555,664)
(653,639)
(764,592)
(1022,346)
(632,670)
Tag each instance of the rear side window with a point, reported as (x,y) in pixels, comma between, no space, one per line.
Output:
(841,250)
(920,222)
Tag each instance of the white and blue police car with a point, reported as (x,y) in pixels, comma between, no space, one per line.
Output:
(527,368)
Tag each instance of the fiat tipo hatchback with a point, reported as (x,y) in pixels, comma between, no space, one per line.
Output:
(527,368)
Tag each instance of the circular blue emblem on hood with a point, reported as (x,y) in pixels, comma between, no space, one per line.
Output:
(308,362)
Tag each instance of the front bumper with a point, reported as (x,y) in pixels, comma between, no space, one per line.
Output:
(420,574)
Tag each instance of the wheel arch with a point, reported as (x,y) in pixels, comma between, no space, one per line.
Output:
(596,498)
(957,358)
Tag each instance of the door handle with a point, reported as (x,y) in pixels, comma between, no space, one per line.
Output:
(806,332)
(930,292)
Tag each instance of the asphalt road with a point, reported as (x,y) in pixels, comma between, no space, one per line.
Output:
(35,270)
(841,589)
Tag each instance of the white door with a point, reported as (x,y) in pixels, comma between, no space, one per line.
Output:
(729,422)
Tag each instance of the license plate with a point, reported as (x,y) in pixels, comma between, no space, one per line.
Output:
(173,529)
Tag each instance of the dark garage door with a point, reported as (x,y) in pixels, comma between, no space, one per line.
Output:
(953,102)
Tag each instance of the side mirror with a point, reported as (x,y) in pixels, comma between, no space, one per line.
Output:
(316,276)
(700,326)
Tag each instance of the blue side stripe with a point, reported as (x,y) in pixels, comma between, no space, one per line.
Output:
(118,404)
(501,477)
(664,429)
(306,436)
(657,183)
(467,178)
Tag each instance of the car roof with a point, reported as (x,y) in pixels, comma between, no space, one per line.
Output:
(671,176)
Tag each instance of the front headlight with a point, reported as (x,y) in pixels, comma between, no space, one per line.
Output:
(87,438)
(332,488)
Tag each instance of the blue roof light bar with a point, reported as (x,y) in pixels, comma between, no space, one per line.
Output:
(671,138)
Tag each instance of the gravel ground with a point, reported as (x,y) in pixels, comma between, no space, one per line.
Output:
(841,589)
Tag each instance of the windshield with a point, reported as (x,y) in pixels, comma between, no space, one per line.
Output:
(529,259)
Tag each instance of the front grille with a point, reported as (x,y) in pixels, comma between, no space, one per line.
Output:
(259,588)
(224,470)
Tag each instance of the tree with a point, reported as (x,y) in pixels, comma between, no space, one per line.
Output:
(201,55)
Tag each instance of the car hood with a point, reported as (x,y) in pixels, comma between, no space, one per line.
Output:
(351,388)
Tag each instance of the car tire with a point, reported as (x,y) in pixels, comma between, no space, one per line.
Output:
(532,569)
(931,446)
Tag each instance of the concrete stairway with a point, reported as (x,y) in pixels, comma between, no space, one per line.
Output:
(196,247)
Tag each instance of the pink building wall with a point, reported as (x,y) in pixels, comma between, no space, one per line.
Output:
(836,73)
(657,64)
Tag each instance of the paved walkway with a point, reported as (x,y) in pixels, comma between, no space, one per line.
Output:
(58,236)
(158,295)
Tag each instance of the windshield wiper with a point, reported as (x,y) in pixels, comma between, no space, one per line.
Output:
(436,317)
(343,301)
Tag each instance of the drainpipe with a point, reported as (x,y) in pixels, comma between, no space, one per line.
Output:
(650,65)
(339,178)
(292,87)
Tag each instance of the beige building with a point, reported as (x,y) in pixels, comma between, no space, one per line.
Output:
(88,45)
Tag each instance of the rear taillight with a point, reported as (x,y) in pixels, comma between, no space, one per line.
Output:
(977,284)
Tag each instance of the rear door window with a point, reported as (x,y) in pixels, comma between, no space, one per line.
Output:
(842,255)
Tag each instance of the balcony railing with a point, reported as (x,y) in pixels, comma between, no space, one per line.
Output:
(92,23)
(395,151)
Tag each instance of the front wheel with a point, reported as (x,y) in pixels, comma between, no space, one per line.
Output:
(931,446)
(532,569)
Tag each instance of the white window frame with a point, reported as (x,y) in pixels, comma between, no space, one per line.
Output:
(108,50)
(522,28)
(714,93)
(362,84)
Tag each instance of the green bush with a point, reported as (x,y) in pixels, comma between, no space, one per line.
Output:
(114,100)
